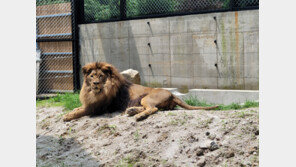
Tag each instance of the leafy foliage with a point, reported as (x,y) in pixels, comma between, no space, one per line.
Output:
(49,2)
(95,10)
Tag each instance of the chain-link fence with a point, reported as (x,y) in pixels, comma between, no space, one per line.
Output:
(57,35)
(108,10)
(55,28)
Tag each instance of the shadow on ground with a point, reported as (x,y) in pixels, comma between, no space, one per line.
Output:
(52,151)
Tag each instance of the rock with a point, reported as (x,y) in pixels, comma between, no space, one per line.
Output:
(201,162)
(205,145)
(187,151)
(252,150)
(213,146)
(164,136)
(199,152)
(137,155)
(132,75)
(257,132)
(192,138)
(157,126)
(144,136)
(229,154)
(207,133)
(133,124)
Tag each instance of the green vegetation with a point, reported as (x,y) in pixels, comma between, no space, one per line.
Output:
(49,2)
(136,135)
(71,101)
(111,128)
(177,122)
(192,100)
(172,114)
(205,123)
(67,100)
(126,162)
(145,7)
(96,10)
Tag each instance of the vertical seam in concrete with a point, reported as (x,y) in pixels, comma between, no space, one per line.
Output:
(237,46)
(129,50)
(109,50)
(170,54)
(217,51)
(243,55)
(192,55)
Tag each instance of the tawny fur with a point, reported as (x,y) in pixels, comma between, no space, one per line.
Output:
(104,89)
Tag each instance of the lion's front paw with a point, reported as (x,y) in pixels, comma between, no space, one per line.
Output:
(140,117)
(67,118)
(131,111)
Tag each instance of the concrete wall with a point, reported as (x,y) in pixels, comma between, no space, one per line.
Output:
(182,50)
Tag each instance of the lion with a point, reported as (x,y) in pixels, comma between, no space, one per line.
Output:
(104,90)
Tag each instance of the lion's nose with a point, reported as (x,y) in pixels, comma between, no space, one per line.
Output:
(96,82)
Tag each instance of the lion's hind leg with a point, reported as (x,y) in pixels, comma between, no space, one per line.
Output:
(76,113)
(156,98)
(134,110)
(146,113)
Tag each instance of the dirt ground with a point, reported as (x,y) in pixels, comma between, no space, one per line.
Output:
(167,138)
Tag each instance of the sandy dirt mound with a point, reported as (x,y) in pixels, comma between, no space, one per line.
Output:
(167,138)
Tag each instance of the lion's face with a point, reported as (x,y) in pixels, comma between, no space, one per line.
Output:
(96,79)
(96,75)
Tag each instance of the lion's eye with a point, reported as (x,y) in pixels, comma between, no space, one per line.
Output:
(91,76)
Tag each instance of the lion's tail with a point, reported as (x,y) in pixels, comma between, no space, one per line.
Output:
(188,107)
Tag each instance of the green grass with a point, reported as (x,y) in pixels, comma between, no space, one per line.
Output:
(71,101)
(111,128)
(67,100)
(136,135)
(126,162)
(193,101)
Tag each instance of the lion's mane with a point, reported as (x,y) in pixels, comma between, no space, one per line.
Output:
(114,96)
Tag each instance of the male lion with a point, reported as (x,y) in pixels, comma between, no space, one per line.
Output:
(105,90)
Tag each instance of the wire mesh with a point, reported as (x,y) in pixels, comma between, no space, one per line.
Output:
(54,22)
(150,7)
(105,10)
(245,4)
(97,10)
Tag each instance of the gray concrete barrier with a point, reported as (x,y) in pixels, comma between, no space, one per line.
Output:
(218,96)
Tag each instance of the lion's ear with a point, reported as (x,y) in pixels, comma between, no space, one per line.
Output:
(107,69)
(85,70)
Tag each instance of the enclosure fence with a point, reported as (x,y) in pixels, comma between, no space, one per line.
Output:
(57,29)
(56,37)
(115,10)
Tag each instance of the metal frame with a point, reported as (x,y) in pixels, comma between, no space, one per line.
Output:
(53,15)
(75,44)
(124,18)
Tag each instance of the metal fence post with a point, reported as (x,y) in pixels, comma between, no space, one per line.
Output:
(75,44)
(80,11)
(231,5)
(122,9)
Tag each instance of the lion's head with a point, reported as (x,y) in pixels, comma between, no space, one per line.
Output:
(101,76)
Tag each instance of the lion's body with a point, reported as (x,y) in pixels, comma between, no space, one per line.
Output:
(106,90)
